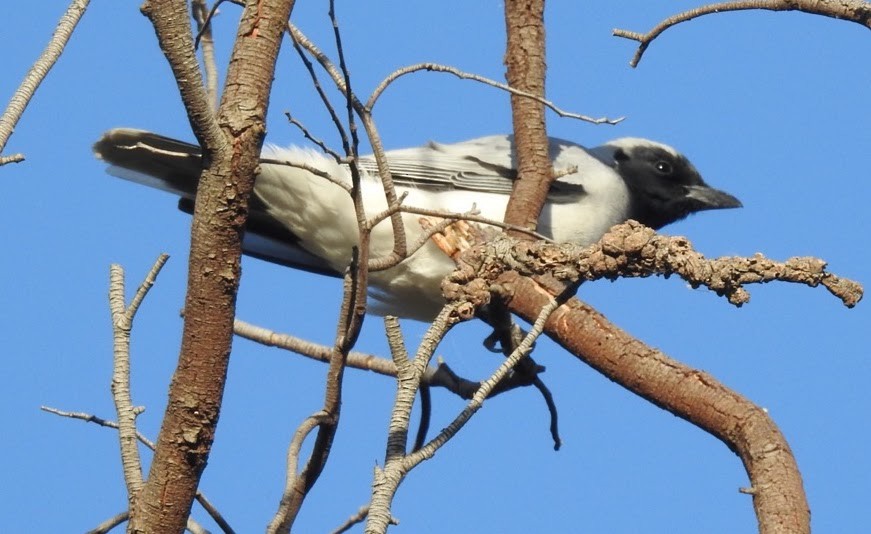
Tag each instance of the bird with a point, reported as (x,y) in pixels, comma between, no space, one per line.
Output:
(302,219)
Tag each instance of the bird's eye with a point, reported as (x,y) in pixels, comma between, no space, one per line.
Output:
(662,167)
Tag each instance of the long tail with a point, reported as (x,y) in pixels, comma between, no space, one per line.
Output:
(175,166)
(150,159)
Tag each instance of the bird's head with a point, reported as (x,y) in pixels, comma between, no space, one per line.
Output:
(664,186)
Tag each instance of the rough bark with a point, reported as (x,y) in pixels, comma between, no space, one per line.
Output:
(525,59)
(231,144)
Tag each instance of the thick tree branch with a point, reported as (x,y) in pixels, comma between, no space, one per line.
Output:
(633,250)
(778,494)
(524,57)
(173,29)
(231,144)
(857,11)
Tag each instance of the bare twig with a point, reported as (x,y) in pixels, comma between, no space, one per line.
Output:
(440,376)
(310,168)
(285,512)
(301,44)
(90,418)
(207,21)
(122,322)
(22,96)
(857,11)
(397,463)
(308,135)
(399,239)
(436,67)
(107,525)
(353,306)
(358,517)
(358,360)
(469,216)
(12,158)
(486,388)
(393,259)
(110,523)
(203,16)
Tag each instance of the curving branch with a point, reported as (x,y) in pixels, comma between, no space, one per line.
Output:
(630,249)
(857,11)
(436,67)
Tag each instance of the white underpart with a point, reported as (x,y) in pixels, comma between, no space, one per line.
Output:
(321,214)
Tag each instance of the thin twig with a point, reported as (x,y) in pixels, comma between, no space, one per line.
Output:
(300,44)
(393,259)
(90,418)
(431,228)
(208,19)
(397,464)
(435,67)
(857,11)
(399,239)
(109,524)
(203,16)
(310,168)
(288,506)
(122,322)
(522,350)
(350,321)
(11,158)
(440,376)
(311,137)
(358,517)
(37,73)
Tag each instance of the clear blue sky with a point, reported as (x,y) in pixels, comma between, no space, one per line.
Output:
(770,107)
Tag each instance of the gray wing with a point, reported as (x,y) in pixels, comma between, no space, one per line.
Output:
(486,164)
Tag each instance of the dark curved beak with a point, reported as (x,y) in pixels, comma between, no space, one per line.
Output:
(712,199)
